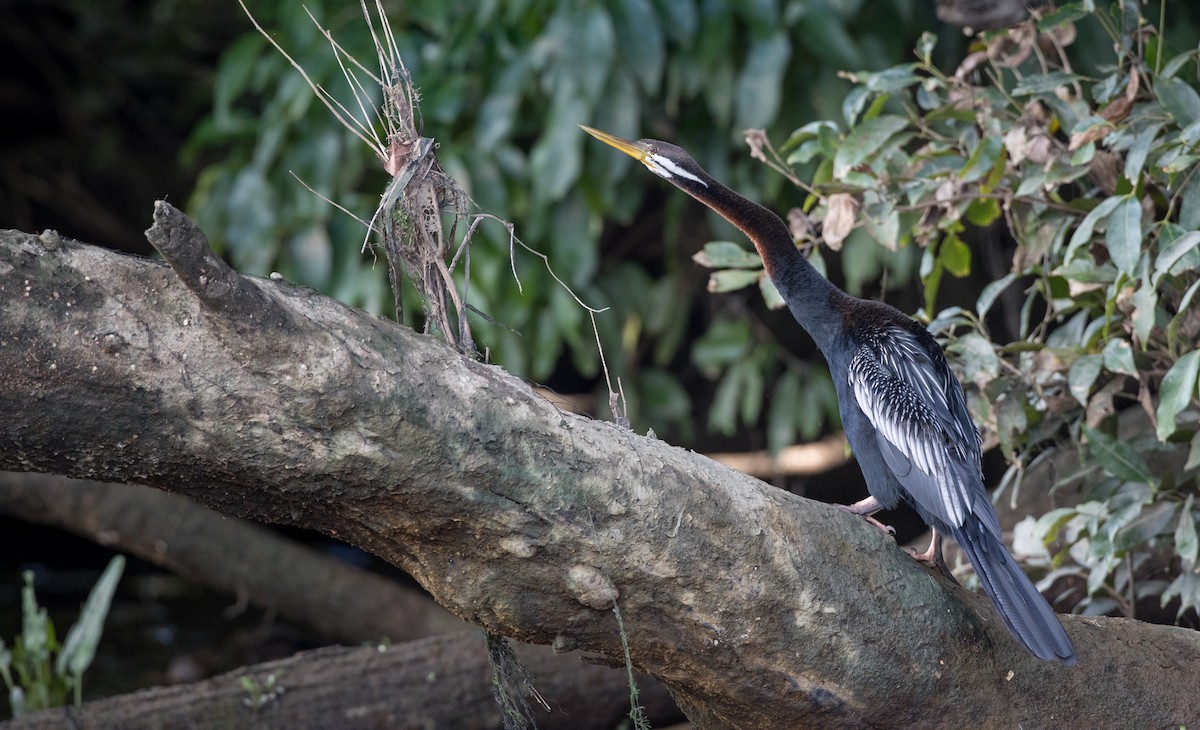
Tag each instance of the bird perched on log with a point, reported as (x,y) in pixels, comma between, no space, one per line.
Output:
(902,408)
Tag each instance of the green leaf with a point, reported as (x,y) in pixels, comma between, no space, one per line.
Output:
(979,361)
(680,20)
(1189,206)
(877,106)
(79,648)
(760,85)
(853,104)
(1145,304)
(1146,526)
(726,342)
(993,290)
(823,34)
(1118,357)
(1177,321)
(752,394)
(727,255)
(640,41)
(1135,159)
(728,280)
(830,141)
(882,221)
(1171,67)
(891,80)
(1117,457)
(865,140)
(808,132)
(1083,234)
(1043,83)
(925,46)
(1170,254)
(233,76)
(1193,459)
(1175,394)
(982,159)
(781,413)
(1068,13)
(588,46)
(557,158)
(729,395)
(1123,237)
(1179,99)
(499,110)
(983,212)
(1186,588)
(770,295)
(1186,545)
(955,256)
(1049,524)
(1082,376)
(1011,421)
(36,629)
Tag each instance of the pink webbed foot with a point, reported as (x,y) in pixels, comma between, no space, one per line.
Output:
(933,557)
(865,508)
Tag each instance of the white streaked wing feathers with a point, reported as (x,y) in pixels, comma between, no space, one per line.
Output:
(919,424)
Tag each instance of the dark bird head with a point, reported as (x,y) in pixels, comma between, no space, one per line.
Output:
(661,158)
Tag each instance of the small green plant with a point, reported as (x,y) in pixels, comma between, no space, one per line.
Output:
(38,671)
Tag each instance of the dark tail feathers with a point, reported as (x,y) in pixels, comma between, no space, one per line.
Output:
(1024,611)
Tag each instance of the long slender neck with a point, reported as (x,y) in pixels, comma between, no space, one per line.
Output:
(814,301)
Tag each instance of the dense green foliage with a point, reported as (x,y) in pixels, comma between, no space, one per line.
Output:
(503,86)
(1094,177)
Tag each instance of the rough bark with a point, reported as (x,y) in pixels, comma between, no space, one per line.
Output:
(442,682)
(342,602)
(761,608)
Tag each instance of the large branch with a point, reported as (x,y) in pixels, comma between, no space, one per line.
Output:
(340,601)
(443,682)
(756,607)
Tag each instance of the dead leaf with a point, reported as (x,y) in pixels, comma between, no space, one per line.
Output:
(1118,109)
(799,225)
(841,214)
(1105,170)
(1091,134)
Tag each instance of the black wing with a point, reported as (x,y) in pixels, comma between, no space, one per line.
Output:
(906,390)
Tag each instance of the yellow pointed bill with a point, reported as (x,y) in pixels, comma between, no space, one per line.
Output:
(633,149)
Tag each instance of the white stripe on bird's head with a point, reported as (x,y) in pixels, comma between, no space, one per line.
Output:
(666,168)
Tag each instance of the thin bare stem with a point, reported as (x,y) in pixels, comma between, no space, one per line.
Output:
(323,95)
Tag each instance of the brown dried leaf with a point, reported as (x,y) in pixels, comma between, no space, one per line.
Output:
(1105,170)
(1079,288)
(1021,146)
(1045,363)
(1091,134)
(756,140)
(841,214)
(969,64)
(799,225)
(1118,109)
(946,195)
(1100,405)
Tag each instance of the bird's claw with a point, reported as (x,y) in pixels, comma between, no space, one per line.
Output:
(852,509)
(886,528)
(933,559)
